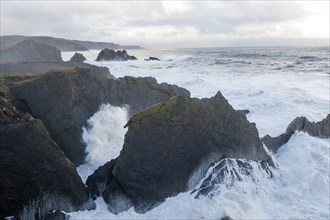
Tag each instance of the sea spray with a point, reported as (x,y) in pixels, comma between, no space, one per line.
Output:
(274,95)
(104,137)
(298,188)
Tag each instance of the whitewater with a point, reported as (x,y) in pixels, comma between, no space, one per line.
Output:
(275,84)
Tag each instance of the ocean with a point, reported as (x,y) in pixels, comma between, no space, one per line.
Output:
(276,84)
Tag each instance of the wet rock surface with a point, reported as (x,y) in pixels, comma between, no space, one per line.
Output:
(152,58)
(227,172)
(35,174)
(65,99)
(316,129)
(169,147)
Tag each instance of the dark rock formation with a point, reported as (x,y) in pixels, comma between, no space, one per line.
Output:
(100,178)
(226,218)
(35,175)
(78,58)
(316,129)
(152,58)
(227,172)
(30,51)
(62,44)
(65,99)
(169,147)
(244,112)
(56,215)
(112,55)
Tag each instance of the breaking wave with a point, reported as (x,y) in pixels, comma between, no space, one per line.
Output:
(104,137)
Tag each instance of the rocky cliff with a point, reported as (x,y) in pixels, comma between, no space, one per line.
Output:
(169,147)
(78,58)
(112,55)
(65,99)
(35,174)
(30,51)
(62,44)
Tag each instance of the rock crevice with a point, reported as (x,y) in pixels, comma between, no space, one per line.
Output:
(65,99)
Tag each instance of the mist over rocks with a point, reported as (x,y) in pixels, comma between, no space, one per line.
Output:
(168,148)
(62,44)
(30,51)
(64,99)
(316,129)
(36,176)
(112,55)
(32,57)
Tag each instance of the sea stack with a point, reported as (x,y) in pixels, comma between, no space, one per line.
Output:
(168,148)
(112,55)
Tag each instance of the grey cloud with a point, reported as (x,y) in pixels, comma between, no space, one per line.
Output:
(102,20)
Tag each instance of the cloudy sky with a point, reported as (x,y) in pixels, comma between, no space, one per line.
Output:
(172,24)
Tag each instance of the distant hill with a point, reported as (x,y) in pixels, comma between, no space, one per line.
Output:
(62,44)
(30,51)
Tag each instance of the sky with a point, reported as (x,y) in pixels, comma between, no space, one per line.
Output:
(172,24)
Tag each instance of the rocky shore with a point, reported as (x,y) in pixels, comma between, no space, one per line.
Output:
(36,176)
(172,139)
(168,148)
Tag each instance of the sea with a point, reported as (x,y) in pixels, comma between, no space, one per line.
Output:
(276,85)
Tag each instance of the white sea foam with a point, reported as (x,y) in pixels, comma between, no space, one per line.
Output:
(104,137)
(275,89)
(274,97)
(298,190)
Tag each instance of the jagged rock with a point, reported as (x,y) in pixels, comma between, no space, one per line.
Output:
(152,58)
(30,51)
(35,175)
(112,55)
(65,99)
(227,172)
(169,147)
(78,58)
(99,184)
(101,177)
(316,129)
(56,215)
